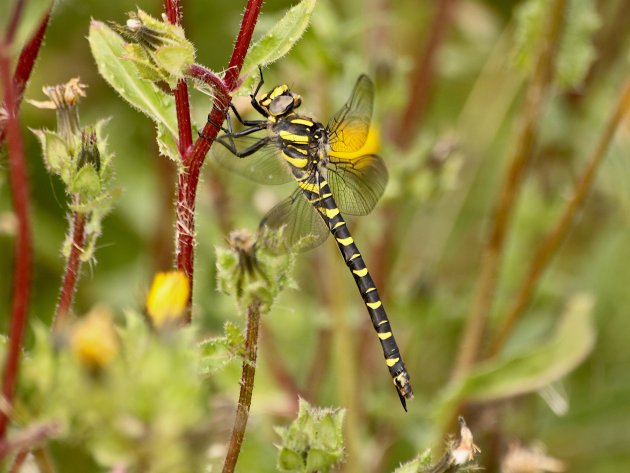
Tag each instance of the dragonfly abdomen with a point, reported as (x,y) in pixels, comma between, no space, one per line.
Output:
(369,293)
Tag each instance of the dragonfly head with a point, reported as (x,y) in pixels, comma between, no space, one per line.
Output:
(280,101)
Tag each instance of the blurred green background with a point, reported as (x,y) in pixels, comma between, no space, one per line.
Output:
(422,243)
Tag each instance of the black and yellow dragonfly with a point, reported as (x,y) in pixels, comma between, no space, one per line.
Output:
(332,176)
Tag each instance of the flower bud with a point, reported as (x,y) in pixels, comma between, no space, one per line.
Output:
(93,339)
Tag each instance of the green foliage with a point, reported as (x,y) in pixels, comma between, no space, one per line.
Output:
(217,352)
(513,375)
(255,273)
(418,464)
(145,409)
(425,240)
(79,156)
(158,49)
(276,43)
(109,51)
(313,442)
(576,51)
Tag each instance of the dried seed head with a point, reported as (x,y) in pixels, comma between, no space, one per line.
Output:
(64,98)
(465,449)
(137,31)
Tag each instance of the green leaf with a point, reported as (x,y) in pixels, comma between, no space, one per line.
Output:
(175,59)
(56,156)
(527,372)
(313,441)
(420,463)
(288,460)
(235,338)
(108,49)
(167,144)
(86,182)
(276,43)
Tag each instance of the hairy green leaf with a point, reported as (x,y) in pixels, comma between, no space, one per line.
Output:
(527,372)
(276,43)
(108,49)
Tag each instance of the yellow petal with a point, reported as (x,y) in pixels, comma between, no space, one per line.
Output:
(168,297)
(93,338)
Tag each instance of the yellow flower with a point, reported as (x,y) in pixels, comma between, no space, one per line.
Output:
(372,143)
(93,338)
(168,297)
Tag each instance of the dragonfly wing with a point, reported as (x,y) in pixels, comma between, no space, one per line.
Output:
(348,129)
(357,184)
(265,166)
(303,227)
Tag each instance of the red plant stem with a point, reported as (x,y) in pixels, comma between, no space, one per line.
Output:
(423,74)
(73,268)
(210,78)
(24,67)
(19,192)
(20,458)
(247,388)
(182,104)
(194,157)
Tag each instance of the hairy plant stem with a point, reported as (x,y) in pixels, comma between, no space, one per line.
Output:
(247,387)
(22,270)
(182,103)
(492,253)
(73,268)
(24,67)
(194,157)
(549,245)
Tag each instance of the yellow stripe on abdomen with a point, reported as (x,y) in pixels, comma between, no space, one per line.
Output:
(331,213)
(345,241)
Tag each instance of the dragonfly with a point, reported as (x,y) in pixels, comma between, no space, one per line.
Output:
(333,177)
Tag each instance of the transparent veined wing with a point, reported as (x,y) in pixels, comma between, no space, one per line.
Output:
(357,184)
(349,127)
(265,166)
(303,227)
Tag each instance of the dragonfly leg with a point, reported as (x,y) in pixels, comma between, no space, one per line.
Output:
(255,103)
(229,144)
(245,122)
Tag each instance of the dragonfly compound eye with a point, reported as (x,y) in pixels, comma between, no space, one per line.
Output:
(281,105)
